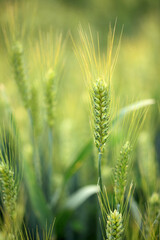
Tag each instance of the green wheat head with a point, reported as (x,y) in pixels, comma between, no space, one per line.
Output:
(120,174)
(19,72)
(97,69)
(115,228)
(9,190)
(50,97)
(101,112)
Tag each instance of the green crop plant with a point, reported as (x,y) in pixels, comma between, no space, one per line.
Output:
(38,92)
(97,76)
(101,107)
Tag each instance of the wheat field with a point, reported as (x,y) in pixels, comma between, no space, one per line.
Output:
(80,120)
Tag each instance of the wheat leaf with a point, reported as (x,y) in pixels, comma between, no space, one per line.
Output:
(133,107)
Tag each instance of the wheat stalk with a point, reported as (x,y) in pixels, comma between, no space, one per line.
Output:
(35,110)
(101,115)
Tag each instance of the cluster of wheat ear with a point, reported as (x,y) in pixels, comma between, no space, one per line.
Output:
(98,71)
(98,77)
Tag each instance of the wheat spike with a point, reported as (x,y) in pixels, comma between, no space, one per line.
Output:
(9,189)
(50,97)
(120,174)
(19,72)
(114,226)
(101,112)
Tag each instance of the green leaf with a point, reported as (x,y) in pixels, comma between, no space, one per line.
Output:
(73,202)
(79,197)
(37,198)
(136,213)
(77,163)
(72,169)
(131,108)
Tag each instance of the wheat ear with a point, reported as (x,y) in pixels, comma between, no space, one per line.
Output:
(50,97)
(19,72)
(101,112)
(115,228)
(120,174)
(101,115)
(9,190)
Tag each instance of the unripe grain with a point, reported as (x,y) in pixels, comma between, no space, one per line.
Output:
(50,97)
(114,226)
(101,113)
(120,174)
(19,72)
(9,189)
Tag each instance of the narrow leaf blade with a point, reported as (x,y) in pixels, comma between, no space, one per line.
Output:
(79,197)
(133,107)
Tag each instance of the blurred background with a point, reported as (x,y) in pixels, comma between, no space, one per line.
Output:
(136,77)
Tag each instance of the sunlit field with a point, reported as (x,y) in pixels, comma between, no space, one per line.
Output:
(80,120)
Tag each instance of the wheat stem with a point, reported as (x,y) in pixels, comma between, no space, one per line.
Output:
(99,171)
(50,160)
(36,158)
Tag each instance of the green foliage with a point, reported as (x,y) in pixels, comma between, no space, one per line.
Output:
(77,163)
(131,108)
(37,198)
(80,197)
